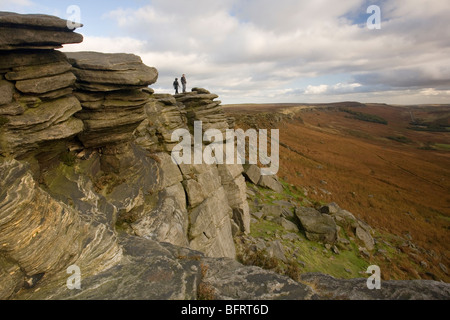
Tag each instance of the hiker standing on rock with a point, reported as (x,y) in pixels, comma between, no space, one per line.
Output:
(176,85)
(183,83)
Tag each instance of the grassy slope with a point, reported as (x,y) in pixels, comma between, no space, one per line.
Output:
(398,188)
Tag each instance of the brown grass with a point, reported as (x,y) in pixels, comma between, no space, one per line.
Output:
(397,188)
(204,290)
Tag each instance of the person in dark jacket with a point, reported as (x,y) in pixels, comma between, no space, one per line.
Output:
(183,83)
(176,85)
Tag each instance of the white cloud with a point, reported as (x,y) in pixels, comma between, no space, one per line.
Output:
(15,5)
(19,3)
(107,45)
(261,48)
(320,89)
(338,88)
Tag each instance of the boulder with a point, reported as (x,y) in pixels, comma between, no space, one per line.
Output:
(252,173)
(276,250)
(274,211)
(330,208)
(286,224)
(317,226)
(365,237)
(270,182)
(200,90)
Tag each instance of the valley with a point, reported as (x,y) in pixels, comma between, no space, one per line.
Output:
(393,177)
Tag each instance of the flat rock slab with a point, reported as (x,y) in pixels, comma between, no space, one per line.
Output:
(46,84)
(39,71)
(41,21)
(97,71)
(22,58)
(90,60)
(253,173)
(330,288)
(271,183)
(149,271)
(35,31)
(231,280)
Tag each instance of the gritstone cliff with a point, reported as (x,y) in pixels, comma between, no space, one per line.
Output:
(86,179)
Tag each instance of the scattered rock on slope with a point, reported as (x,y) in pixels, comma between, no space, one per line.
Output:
(317,226)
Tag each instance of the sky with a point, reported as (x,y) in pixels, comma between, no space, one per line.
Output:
(267,51)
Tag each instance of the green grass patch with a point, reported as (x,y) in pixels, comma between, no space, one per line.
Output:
(68,158)
(264,228)
(3,121)
(302,254)
(309,256)
(442,146)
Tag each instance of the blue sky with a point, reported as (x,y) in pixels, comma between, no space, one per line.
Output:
(275,51)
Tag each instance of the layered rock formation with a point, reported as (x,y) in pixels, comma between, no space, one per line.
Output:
(87,179)
(215,203)
(36,84)
(37,31)
(41,236)
(200,106)
(109,87)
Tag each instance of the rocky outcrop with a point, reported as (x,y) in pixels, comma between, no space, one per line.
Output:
(317,226)
(349,222)
(31,222)
(109,87)
(36,100)
(87,179)
(215,194)
(164,116)
(235,188)
(218,186)
(200,106)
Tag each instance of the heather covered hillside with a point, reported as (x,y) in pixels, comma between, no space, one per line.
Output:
(391,175)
